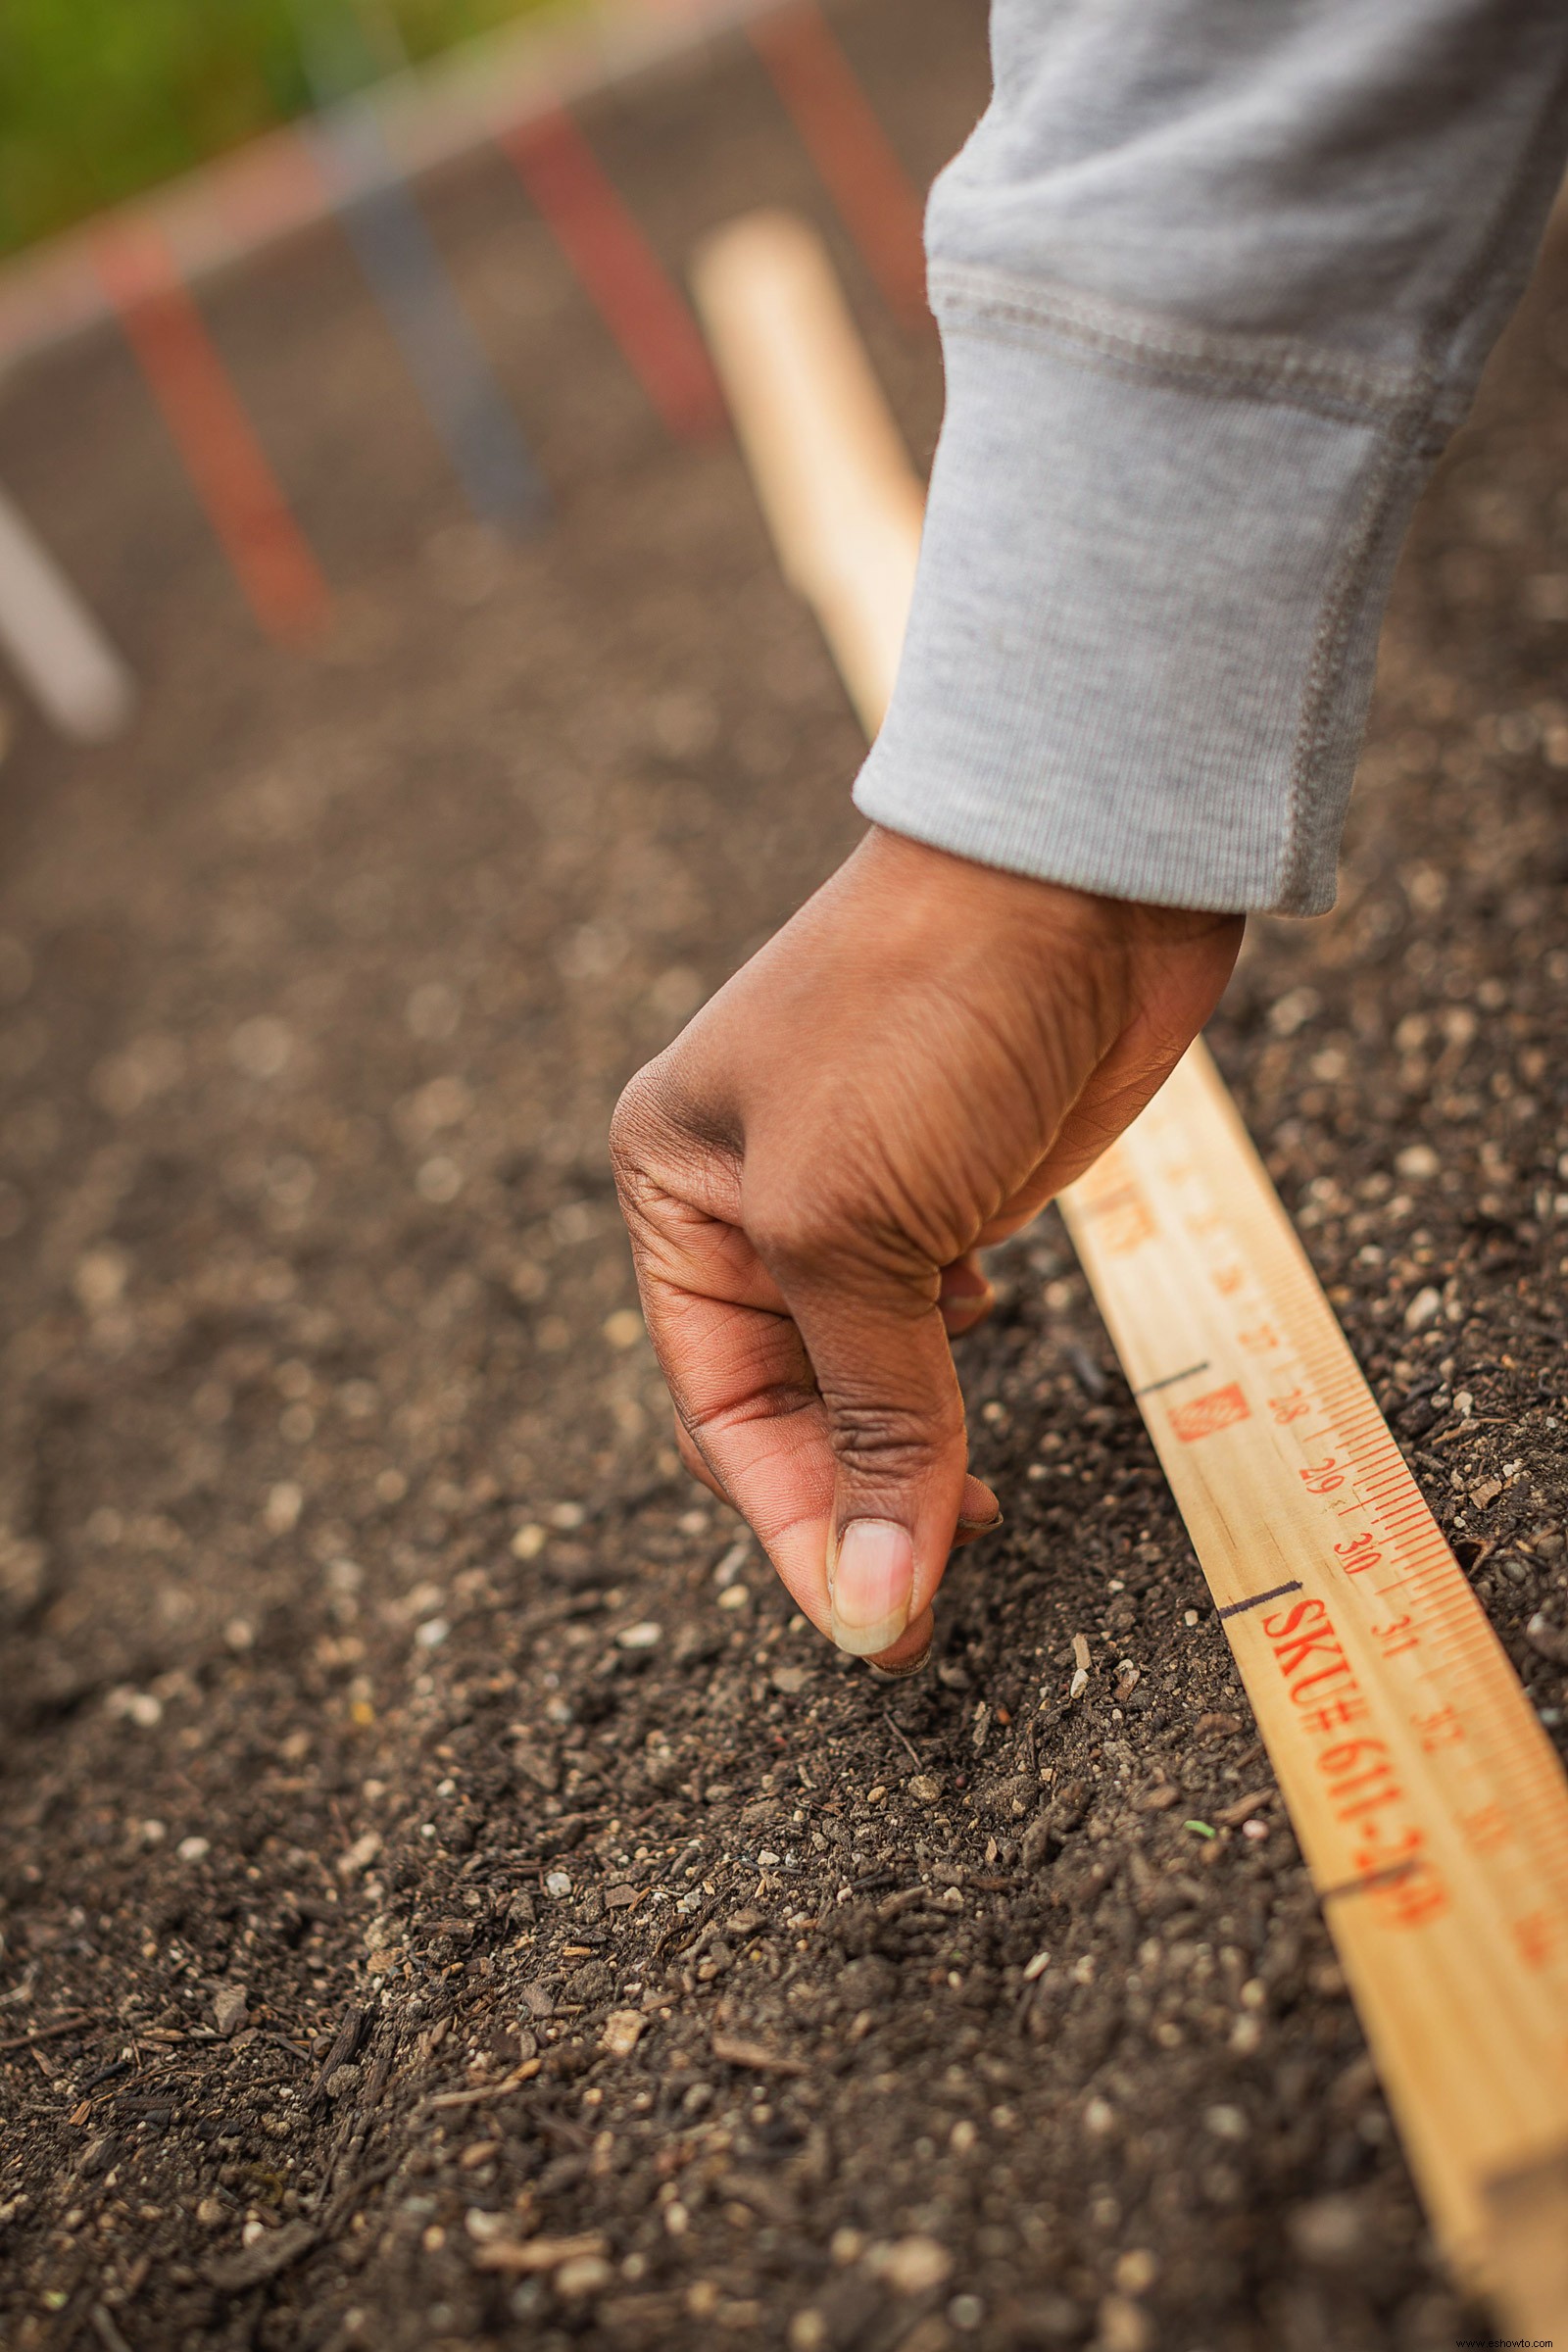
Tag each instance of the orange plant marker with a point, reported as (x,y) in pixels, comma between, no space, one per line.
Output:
(217,442)
(852,152)
(618,269)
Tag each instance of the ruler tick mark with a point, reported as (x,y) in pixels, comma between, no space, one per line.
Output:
(1171,1378)
(1389,1875)
(1239,1608)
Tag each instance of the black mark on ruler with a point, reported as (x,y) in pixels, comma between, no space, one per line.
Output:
(1389,1876)
(1171,1378)
(1239,1608)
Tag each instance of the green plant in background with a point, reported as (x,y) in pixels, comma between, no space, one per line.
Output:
(99,98)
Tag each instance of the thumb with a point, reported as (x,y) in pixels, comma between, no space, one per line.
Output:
(896,1428)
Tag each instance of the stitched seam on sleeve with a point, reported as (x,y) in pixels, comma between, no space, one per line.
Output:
(1169,350)
(1402,447)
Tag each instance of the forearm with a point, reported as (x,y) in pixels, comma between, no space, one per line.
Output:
(1216,283)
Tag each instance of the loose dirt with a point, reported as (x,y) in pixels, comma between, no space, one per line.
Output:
(449,1901)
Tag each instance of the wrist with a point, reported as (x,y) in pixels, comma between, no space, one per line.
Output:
(1041,927)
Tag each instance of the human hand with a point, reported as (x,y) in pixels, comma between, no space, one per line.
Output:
(923,1056)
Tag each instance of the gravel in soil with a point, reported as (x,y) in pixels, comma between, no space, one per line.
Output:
(449,1900)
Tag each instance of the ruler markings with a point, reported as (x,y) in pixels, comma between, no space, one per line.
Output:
(1239,1608)
(1153,1388)
(1434,1641)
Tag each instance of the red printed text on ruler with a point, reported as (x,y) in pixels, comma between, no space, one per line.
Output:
(1364,1789)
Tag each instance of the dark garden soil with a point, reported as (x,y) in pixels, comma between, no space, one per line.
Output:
(447,1899)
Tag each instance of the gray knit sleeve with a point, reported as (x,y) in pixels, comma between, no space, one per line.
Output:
(1215,282)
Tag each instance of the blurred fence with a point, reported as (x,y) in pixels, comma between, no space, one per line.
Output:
(378,123)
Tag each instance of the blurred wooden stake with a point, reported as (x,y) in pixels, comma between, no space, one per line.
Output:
(841,498)
(54,644)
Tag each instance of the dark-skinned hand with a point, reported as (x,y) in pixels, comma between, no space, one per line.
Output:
(923,1056)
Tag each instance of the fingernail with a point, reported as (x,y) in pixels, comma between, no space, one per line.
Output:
(981,1527)
(871,1586)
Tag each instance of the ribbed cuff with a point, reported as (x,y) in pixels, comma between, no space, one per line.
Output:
(1143,628)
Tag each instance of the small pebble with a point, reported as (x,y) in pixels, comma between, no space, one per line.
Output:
(622,2032)
(139,1707)
(734,1560)
(1124,2326)
(1424,1309)
(229,2009)
(645,1635)
(1328,2231)
(1136,2272)
(261,1048)
(360,1855)
(913,2265)
(100,1278)
(280,1514)
(584,2274)
(438,1180)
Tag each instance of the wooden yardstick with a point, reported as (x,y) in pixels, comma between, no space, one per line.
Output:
(1430,1806)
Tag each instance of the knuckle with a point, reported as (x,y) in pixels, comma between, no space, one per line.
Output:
(890,1441)
(664,1121)
(634,1123)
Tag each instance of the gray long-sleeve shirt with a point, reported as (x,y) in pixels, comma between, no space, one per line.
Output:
(1215,280)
